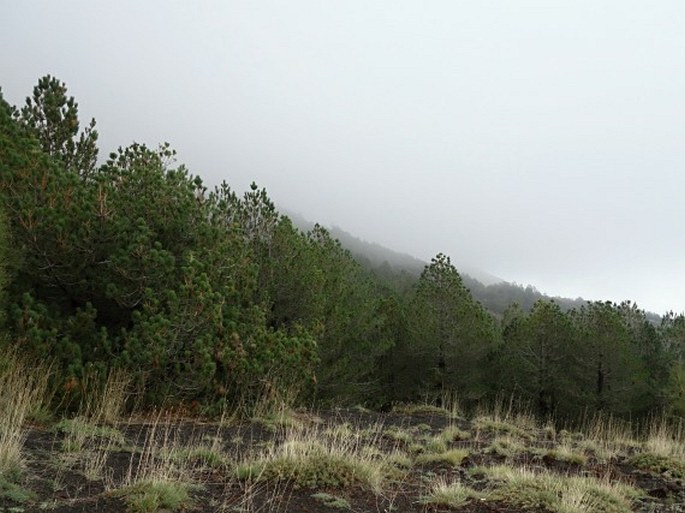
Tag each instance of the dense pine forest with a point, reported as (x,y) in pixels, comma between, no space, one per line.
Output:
(206,297)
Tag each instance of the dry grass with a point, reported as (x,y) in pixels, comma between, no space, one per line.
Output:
(310,457)
(451,494)
(453,433)
(450,456)
(22,389)
(666,437)
(507,446)
(566,453)
(446,405)
(91,435)
(540,489)
(158,478)
(302,452)
(505,419)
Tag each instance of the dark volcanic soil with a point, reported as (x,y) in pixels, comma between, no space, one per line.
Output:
(62,472)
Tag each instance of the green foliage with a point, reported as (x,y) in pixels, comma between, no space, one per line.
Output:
(450,335)
(611,376)
(675,389)
(213,297)
(78,431)
(536,350)
(4,267)
(53,118)
(671,336)
(13,492)
(355,330)
(140,267)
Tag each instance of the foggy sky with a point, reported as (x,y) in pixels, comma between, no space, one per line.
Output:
(541,141)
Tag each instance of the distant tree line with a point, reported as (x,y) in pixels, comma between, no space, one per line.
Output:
(212,297)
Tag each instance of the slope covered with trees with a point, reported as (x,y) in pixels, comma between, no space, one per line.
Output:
(208,297)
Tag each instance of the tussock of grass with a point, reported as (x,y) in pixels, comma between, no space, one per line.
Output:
(602,451)
(204,452)
(159,478)
(494,426)
(450,409)
(659,464)
(666,438)
(398,434)
(22,388)
(544,490)
(435,445)
(453,495)
(398,459)
(332,501)
(103,399)
(205,456)
(273,421)
(416,448)
(308,458)
(506,446)
(88,445)
(614,434)
(311,465)
(80,429)
(549,432)
(451,457)
(151,496)
(89,437)
(495,472)
(506,418)
(340,430)
(567,454)
(454,434)
(606,437)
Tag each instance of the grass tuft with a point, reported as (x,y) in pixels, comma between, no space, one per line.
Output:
(666,438)
(659,464)
(453,495)
(399,434)
(332,501)
(494,426)
(13,492)
(309,458)
(567,454)
(79,430)
(151,496)
(450,410)
(22,389)
(543,490)
(454,434)
(452,457)
(506,446)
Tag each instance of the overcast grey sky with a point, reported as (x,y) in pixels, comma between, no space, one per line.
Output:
(542,141)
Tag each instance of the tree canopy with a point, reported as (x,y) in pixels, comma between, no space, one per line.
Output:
(209,296)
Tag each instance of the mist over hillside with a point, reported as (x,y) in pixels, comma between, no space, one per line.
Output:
(216,299)
(494,293)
